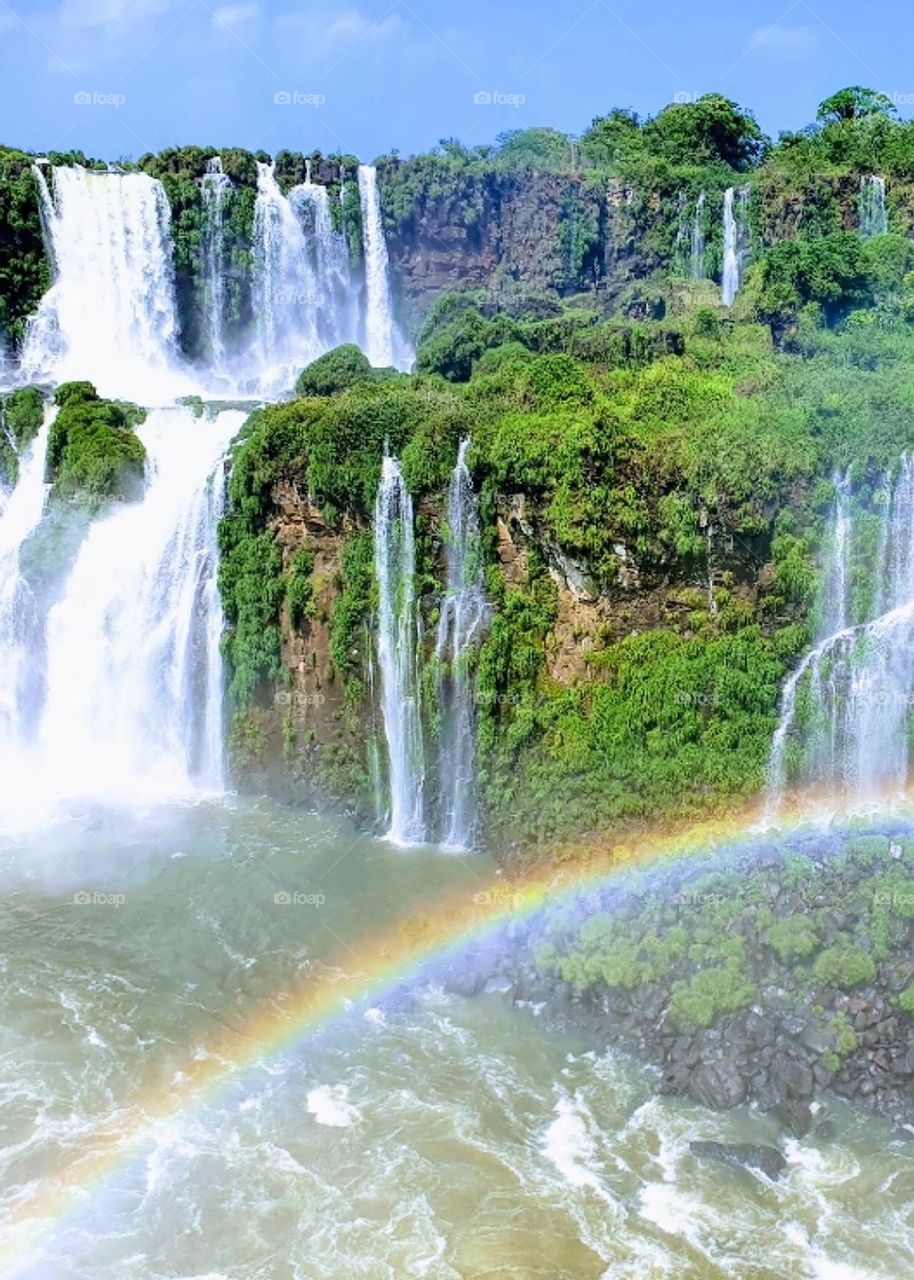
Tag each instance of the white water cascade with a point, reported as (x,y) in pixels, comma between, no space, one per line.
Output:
(285,295)
(134,679)
(337,317)
(214,189)
(872,217)
(383,344)
(395,567)
(109,315)
(858,680)
(19,517)
(463,616)
(697,253)
(736,235)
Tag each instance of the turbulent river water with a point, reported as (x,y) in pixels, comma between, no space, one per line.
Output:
(417,1134)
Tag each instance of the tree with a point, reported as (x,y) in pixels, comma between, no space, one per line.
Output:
(533,149)
(611,138)
(831,270)
(855,103)
(713,129)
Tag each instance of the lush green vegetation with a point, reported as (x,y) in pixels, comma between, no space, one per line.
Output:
(94,454)
(622,470)
(714,944)
(21,414)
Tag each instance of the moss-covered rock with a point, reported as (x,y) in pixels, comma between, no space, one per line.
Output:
(94,454)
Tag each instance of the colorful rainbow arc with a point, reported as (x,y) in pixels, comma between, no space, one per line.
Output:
(372,967)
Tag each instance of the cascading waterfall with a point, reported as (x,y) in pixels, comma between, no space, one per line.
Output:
(285,293)
(735,242)
(214,188)
(110,314)
(19,517)
(463,616)
(859,676)
(871,211)
(134,682)
(697,254)
(337,314)
(383,343)
(395,567)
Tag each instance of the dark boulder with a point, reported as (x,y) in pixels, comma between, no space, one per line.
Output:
(717,1084)
(742,1155)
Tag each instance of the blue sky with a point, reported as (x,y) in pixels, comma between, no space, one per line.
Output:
(119,77)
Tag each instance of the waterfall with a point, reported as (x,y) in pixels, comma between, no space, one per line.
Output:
(697,256)
(303,298)
(871,212)
(463,615)
(859,675)
(395,567)
(109,315)
(383,344)
(284,288)
(19,517)
(134,681)
(337,316)
(214,188)
(735,242)
(836,578)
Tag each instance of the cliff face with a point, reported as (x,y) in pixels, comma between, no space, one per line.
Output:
(322,733)
(549,233)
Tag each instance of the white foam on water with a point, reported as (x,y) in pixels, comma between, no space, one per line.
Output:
(329,1104)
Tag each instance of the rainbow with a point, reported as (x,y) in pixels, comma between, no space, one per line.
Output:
(361,972)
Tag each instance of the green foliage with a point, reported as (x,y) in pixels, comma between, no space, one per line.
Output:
(337,370)
(844,967)
(710,130)
(252,586)
(299,587)
(830,270)
(793,938)
(21,415)
(710,993)
(906,1000)
(352,604)
(24,273)
(93,452)
(855,103)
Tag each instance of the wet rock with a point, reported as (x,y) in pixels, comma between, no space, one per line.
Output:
(718,1085)
(795,1114)
(760,1158)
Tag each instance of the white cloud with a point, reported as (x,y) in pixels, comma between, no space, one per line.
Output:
(796,41)
(108,13)
(327,32)
(235,15)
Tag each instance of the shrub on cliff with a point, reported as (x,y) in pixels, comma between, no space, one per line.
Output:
(24,271)
(21,414)
(93,453)
(844,966)
(337,370)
